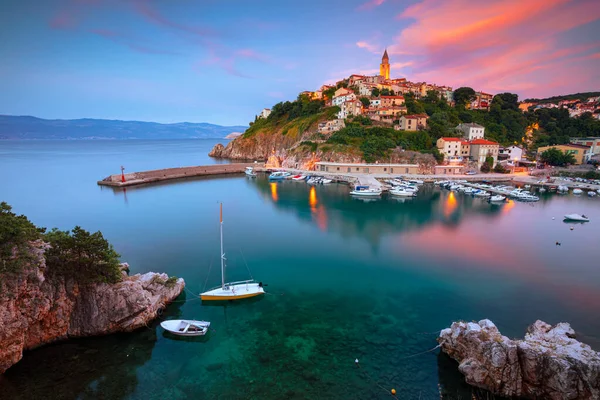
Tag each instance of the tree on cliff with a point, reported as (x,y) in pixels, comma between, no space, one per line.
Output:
(16,232)
(557,157)
(88,257)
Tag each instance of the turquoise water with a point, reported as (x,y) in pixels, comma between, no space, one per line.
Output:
(346,278)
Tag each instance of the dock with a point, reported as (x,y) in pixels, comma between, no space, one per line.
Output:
(159,175)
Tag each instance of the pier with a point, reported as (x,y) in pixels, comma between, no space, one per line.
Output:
(159,175)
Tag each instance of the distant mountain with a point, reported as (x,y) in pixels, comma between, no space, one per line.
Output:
(23,127)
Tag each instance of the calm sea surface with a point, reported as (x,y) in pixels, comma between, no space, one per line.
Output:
(346,278)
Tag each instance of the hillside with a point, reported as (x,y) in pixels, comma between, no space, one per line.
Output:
(556,99)
(26,128)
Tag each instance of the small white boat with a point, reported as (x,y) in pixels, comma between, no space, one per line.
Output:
(591,193)
(298,177)
(325,181)
(184,327)
(279,175)
(562,188)
(576,217)
(365,191)
(415,181)
(577,191)
(399,191)
(497,199)
(481,193)
(542,189)
(250,172)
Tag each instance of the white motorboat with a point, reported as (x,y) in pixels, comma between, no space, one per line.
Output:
(366,191)
(325,181)
(299,177)
(231,290)
(481,193)
(184,327)
(577,191)
(415,181)
(562,189)
(576,217)
(497,199)
(591,193)
(279,175)
(403,192)
(250,172)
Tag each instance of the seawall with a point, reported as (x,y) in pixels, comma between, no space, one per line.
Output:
(158,175)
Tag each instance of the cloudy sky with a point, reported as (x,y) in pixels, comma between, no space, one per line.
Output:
(222,61)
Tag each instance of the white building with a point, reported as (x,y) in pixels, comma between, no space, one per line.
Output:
(375,102)
(352,107)
(265,113)
(592,142)
(512,153)
(472,131)
(341,96)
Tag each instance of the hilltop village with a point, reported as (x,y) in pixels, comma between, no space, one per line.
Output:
(426,127)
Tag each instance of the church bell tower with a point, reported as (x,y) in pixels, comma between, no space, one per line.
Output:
(384,67)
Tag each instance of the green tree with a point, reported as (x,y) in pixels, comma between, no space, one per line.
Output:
(329,92)
(375,147)
(365,101)
(463,96)
(16,233)
(86,257)
(488,164)
(375,92)
(556,157)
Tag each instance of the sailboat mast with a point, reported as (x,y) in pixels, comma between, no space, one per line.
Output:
(222,253)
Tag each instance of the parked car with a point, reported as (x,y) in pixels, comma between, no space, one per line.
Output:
(470,173)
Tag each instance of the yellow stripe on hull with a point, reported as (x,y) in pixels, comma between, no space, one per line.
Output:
(236,297)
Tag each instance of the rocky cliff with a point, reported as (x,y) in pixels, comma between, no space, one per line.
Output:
(548,364)
(36,308)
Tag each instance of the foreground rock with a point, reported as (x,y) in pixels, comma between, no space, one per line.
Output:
(36,310)
(548,364)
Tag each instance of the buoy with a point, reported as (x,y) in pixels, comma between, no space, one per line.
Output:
(572,228)
(356,361)
(553,218)
(394,392)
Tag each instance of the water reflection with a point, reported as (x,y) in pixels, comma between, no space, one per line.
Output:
(450,205)
(274,191)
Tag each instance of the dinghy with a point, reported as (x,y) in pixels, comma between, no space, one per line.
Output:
(250,172)
(576,217)
(497,199)
(184,327)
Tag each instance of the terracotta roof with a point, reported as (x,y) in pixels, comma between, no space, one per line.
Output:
(415,116)
(483,141)
(451,139)
(392,97)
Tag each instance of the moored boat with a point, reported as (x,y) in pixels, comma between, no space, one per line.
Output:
(497,199)
(250,172)
(576,217)
(366,191)
(184,327)
(403,192)
(279,175)
(231,290)
(577,191)
(298,177)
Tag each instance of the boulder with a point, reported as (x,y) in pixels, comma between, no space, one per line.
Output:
(548,364)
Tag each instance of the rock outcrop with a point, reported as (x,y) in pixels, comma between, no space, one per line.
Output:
(548,364)
(37,309)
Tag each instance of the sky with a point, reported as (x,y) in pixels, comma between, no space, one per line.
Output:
(222,61)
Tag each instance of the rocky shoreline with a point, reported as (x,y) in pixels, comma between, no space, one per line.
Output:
(548,364)
(37,309)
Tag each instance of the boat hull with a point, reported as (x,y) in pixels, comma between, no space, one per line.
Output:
(177,327)
(233,292)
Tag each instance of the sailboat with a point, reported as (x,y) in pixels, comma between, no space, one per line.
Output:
(231,290)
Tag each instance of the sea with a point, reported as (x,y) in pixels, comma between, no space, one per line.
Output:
(357,291)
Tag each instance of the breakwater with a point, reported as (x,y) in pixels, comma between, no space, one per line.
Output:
(158,175)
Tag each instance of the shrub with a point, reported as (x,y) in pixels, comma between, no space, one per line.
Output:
(171,281)
(16,231)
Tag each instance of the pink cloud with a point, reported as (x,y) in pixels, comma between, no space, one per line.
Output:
(63,20)
(370,4)
(145,10)
(494,45)
(252,54)
(130,42)
(373,48)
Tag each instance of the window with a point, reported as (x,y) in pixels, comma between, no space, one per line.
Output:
(356,169)
(385,169)
(349,169)
(366,170)
(406,172)
(338,168)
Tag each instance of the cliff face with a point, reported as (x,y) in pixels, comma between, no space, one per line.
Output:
(36,309)
(291,153)
(548,364)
